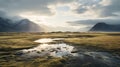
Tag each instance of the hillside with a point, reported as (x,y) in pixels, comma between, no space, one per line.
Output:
(24,25)
(106,27)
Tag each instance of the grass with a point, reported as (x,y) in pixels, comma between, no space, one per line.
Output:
(108,41)
(38,62)
(105,41)
(10,42)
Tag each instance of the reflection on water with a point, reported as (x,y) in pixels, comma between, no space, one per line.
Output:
(56,50)
(99,59)
(47,40)
(44,49)
(44,40)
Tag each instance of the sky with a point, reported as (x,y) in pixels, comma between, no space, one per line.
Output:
(64,15)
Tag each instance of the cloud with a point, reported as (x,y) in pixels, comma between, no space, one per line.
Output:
(2,13)
(63,28)
(5,15)
(100,8)
(92,11)
(30,6)
(111,9)
(91,22)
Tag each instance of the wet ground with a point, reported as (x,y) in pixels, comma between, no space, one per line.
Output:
(77,57)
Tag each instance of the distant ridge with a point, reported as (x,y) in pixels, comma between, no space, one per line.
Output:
(24,25)
(101,26)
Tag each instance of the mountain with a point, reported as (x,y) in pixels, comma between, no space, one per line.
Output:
(106,27)
(24,25)
(5,25)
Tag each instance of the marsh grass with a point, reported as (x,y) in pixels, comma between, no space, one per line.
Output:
(38,62)
(10,42)
(106,42)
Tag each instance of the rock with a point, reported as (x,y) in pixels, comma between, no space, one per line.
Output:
(74,51)
(19,53)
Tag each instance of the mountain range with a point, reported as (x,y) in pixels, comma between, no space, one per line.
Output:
(23,25)
(106,27)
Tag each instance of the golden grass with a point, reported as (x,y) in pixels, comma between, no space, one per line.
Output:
(107,42)
(21,40)
(13,41)
(39,62)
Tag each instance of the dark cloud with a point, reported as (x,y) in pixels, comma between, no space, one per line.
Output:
(80,10)
(110,10)
(86,5)
(6,15)
(2,14)
(99,8)
(42,6)
(34,6)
